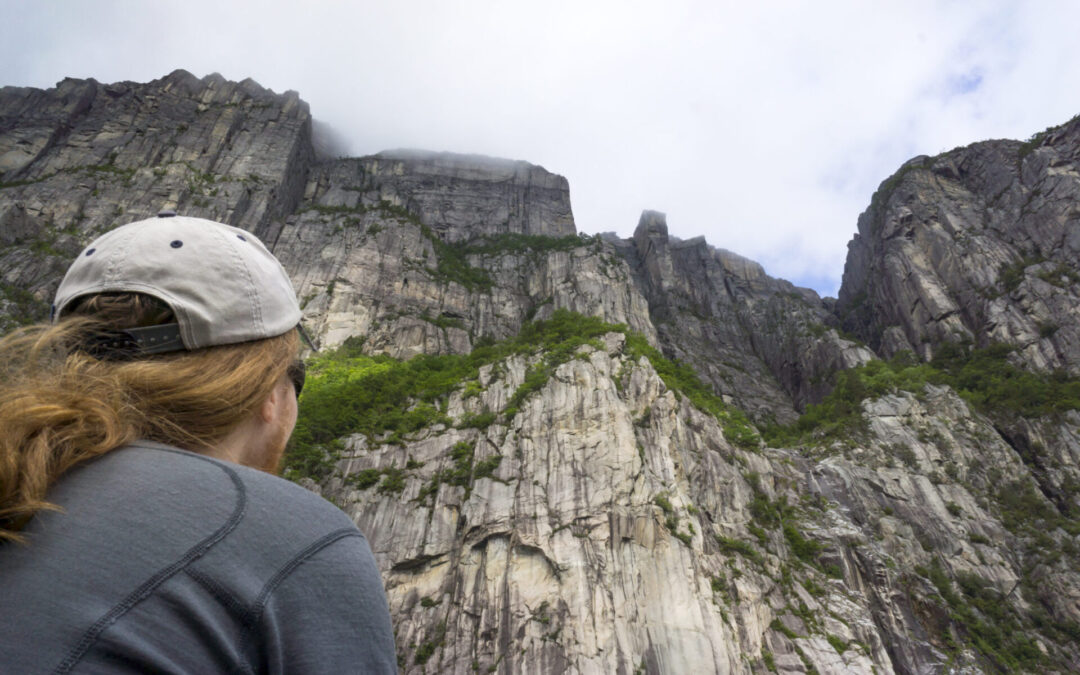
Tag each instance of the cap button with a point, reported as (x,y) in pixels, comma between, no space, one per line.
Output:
(166,213)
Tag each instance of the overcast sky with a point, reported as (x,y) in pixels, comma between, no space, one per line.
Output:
(764,126)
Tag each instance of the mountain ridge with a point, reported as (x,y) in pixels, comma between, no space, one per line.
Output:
(652,456)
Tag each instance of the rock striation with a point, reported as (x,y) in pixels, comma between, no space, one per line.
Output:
(714,308)
(596,501)
(83,157)
(979,244)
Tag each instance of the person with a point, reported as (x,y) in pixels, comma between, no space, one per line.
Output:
(141,528)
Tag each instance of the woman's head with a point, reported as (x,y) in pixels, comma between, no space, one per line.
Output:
(119,364)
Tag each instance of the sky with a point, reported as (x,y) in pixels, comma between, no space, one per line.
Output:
(763,126)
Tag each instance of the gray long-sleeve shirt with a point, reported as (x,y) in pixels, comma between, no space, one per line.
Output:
(163,560)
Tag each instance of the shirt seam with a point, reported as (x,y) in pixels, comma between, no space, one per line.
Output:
(263,599)
(150,585)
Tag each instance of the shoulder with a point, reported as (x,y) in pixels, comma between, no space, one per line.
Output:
(261,497)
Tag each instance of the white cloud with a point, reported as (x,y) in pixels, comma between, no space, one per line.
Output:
(763,126)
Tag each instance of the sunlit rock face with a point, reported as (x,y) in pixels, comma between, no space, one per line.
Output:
(605,522)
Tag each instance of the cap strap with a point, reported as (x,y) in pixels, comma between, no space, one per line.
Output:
(157,339)
(131,343)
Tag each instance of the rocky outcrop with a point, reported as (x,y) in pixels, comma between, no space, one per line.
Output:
(84,157)
(767,345)
(621,531)
(463,197)
(978,244)
(590,507)
(418,258)
(593,546)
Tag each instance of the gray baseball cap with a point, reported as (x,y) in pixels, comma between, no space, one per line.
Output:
(222,284)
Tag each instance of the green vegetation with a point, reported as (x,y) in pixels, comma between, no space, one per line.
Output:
(839,645)
(21,307)
(729,546)
(1012,274)
(889,185)
(385,399)
(368,478)
(662,501)
(364,478)
(394,481)
(813,588)
(333,210)
(984,377)
(485,468)
(1025,511)
(991,626)
(443,321)
(718,584)
(806,550)
(778,626)
(1061,276)
(481,420)
(452,262)
(20,183)
(451,259)
(428,647)
(767,658)
(765,511)
(778,514)
(684,537)
(682,379)
(530,244)
(111,170)
(1037,139)
(452,265)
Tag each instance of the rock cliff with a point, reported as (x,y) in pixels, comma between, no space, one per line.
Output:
(635,455)
(979,244)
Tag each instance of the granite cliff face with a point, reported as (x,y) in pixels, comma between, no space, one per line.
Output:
(83,157)
(979,244)
(575,500)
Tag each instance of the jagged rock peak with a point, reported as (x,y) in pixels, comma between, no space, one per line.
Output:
(183,82)
(652,223)
(83,157)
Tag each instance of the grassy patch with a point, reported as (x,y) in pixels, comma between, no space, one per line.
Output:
(730,546)
(990,625)
(452,265)
(664,503)
(481,420)
(486,468)
(443,321)
(348,392)
(806,550)
(839,645)
(1010,275)
(983,377)
(435,641)
(531,244)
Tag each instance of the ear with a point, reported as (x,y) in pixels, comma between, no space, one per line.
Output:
(272,404)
